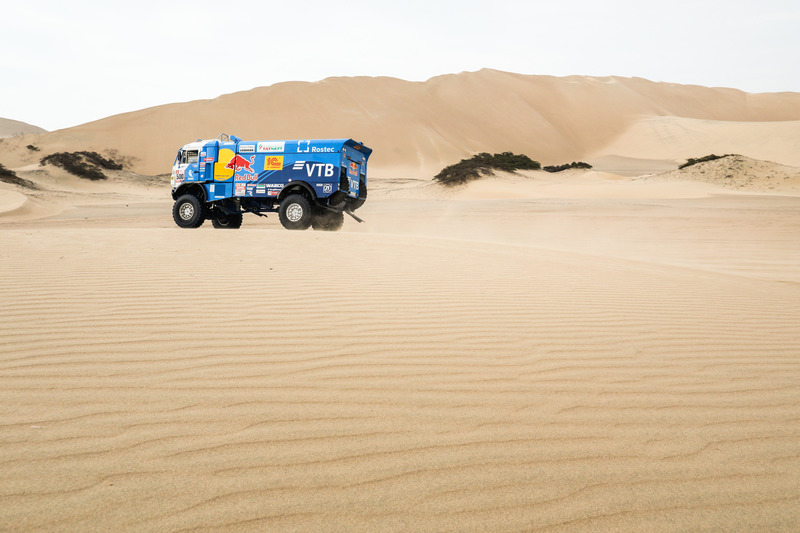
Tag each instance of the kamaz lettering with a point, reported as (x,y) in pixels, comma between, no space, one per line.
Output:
(312,183)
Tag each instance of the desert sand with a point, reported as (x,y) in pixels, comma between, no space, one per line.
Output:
(417,128)
(574,352)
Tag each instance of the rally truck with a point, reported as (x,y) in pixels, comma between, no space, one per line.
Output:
(309,183)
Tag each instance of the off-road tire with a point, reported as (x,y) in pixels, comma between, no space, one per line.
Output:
(295,212)
(326,220)
(188,211)
(223,221)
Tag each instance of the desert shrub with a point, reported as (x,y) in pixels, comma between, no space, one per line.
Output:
(82,164)
(567,166)
(6,173)
(9,176)
(484,164)
(32,148)
(124,161)
(711,157)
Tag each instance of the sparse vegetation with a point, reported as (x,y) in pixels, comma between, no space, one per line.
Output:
(711,157)
(32,148)
(484,164)
(6,173)
(125,161)
(567,166)
(82,164)
(9,176)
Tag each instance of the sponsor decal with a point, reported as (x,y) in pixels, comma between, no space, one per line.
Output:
(240,189)
(273,162)
(238,162)
(247,148)
(298,165)
(223,169)
(273,185)
(245,177)
(322,149)
(319,170)
(261,189)
(303,146)
(209,159)
(273,193)
(327,188)
(271,146)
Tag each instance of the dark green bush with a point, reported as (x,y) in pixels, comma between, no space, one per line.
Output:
(711,157)
(9,176)
(484,164)
(32,148)
(567,166)
(82,164)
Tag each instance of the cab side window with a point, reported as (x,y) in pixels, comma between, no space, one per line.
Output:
(191,156)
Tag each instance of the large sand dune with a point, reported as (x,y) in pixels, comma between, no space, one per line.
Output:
(9,128)
(578,352)
(418,128)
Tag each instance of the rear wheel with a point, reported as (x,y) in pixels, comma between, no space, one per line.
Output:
(295,212)
(328,220)
(188,211)
(223,221)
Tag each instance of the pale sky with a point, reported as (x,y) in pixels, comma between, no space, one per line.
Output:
(66,63)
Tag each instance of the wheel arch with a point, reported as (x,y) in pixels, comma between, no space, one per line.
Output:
(298,187)
(195,189)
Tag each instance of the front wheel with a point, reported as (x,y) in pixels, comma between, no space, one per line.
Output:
(223,221)
(295,212)
(188,211)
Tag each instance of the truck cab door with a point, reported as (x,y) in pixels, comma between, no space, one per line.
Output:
(207,161)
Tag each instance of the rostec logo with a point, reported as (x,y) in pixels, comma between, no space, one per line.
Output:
(273,162)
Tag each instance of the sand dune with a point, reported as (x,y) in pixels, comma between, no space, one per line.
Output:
(738,173)
(594,354)
(675,137)
(9,128)
(418,128)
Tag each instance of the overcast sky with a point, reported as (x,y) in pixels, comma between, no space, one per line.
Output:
(66,63)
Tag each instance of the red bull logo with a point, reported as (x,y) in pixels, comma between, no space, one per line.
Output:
(239,162)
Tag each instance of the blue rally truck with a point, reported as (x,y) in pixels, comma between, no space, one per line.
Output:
(310,183)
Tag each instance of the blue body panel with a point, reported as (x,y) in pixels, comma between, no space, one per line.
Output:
(261,169)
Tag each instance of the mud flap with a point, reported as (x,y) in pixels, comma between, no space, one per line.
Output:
(354,216)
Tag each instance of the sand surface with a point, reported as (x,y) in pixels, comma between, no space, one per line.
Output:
(417,128)
(584,353)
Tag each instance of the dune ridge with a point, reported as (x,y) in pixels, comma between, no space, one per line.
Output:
(417,128)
